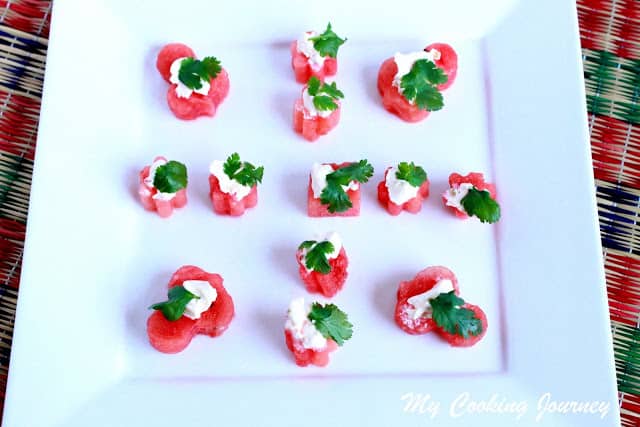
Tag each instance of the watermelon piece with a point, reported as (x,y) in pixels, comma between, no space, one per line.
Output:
(456,340)
(312,127)
(392,100)
(196,105)
(326,284)
(164,208)
(448,62)
(413,205)
(173,337)
(424,281)
(307,356)
(474,178)
(304,71)
(170,53)
(227,204)
(315,208)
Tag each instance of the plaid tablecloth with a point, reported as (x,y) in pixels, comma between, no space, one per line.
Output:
(610,34)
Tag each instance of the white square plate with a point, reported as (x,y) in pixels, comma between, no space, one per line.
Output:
(94,259)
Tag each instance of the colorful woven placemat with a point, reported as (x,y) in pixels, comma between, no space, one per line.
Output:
(610,34)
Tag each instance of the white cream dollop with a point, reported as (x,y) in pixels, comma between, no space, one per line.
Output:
(319,174)
(310,108)
(206,294)
(228,185)
(454,195)
(301,327)
(181,89)
(400,191)
(151,177)
(332,237)
(420,302)
(305,47)
(405,61)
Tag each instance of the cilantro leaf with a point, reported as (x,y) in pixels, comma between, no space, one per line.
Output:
(411,173)
(334,195)
(450,315)
(193,71)
(244,173)
(316,257)
(328,42)
(480,204)
(324,95)
(313,85)
(331,322)
(174,308)
(420,83)
(170,177)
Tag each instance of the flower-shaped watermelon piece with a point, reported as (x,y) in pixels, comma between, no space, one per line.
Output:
(412,205)
(153,199)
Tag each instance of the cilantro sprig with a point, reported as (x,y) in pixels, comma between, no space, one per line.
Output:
(334,195)
(193,71)
(411,173)
(324,95)
(420,85)
(243,172)
(170,177)
(331,322)
(328,42)
(316,258)
(174,307)
(480,204)
(450,315)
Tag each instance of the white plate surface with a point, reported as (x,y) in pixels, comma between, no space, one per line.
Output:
(95,259)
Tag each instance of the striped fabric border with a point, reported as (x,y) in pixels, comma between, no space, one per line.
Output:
(610,36)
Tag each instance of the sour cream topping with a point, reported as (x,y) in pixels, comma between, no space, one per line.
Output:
(400,191)
(319,174)
(310,108)
(301,327)
(454,195)
(405,62)
(305,46)
(206,294)
(152,176)
(420,302)
(332,237)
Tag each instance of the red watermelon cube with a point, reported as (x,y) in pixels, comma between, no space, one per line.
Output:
(413,205)
(228,204)
(326,284)
(174,336)
(152,201)
(303,69)
(476,179)
(424,281)
(315,208)
(312,127)
(196,105)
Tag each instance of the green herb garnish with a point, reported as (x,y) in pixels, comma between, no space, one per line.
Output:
(450,315)
(328,42)
(193,71)
(331,322)
(420,85)
(334,195)
(411,173)
(243,172)
(174,308)
(480,204)
(316,256)
(170,177)
(324,95)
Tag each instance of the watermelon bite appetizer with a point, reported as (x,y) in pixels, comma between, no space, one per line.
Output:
(317,111)
(323,264)
(430,302)
(411,84)
(470,195)
(234,185)
(198,87)
(404,187)
(197,303)
(313,331)
(163,186)
(334,189)
(315,54)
